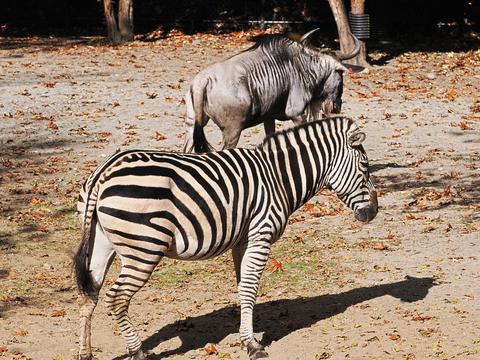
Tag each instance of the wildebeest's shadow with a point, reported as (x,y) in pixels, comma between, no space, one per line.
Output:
(278,318)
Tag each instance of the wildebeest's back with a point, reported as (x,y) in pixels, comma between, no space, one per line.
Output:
(252,82)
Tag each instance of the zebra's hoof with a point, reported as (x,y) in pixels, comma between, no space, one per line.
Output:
(256,351)
(85,357)
(139,355)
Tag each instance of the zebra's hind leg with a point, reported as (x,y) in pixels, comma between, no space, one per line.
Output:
(88,304)
(101,257)
(133,275)
(250,260)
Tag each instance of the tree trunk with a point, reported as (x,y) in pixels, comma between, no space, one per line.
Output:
(119,27)
(343,27)
(112,28)
(125,19)
(358,7)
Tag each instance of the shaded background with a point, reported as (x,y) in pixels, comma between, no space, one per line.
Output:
(390,19)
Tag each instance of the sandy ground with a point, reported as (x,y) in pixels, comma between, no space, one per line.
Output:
(405,286)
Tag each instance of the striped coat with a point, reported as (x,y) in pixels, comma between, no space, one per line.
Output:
(146,204)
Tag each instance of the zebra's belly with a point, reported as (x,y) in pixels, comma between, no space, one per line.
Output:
(190,247)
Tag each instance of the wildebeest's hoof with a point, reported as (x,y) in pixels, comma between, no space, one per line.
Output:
(256,351)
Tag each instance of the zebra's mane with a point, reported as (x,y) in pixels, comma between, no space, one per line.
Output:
(291,131)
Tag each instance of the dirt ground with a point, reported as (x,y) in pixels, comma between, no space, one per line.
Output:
(405,286)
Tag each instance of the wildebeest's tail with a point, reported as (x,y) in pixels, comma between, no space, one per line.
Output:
(81,261)
(197,93)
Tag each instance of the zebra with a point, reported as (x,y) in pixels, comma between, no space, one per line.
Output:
(143,205)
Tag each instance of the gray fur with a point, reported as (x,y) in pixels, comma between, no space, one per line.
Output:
(277,78)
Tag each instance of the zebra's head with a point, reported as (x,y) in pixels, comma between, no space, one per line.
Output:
(349,176)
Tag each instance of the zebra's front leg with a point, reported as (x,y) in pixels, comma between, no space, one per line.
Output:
(249,264)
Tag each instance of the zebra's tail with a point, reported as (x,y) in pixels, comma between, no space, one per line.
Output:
(81,259)
(197,91)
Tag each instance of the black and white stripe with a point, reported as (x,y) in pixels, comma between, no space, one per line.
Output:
(144,204)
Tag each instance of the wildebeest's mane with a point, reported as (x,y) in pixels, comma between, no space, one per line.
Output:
(296,129)
(275,42)
(269,42)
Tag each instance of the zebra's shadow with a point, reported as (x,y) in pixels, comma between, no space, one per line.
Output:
(278,318)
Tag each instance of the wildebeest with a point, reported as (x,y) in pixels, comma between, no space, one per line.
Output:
(276,78)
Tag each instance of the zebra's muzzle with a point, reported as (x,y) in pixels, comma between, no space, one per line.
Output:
(367,213)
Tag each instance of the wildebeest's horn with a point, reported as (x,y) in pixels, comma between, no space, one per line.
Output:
(304,39)
(351,54)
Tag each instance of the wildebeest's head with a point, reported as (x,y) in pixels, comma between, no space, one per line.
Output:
(332,90)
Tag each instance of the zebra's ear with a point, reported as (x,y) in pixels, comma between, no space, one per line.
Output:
(356,138)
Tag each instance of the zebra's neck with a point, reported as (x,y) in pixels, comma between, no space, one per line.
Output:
(300,160)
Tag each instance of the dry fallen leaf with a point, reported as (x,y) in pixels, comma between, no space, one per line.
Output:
(159,136)
(20,332)
(210,349)
(451,94)
(152,298)
(58,313)
(374,338)
(426,331)
(380,246)
(394,336)
(428,229)
(388,237)
(322,356)
(104,134)
(52,125)
(49,84)
(277,265)
(410,216)
(418,317)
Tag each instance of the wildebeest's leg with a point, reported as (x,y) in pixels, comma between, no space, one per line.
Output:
(299,120)
(328,109)
(100,261)
(269,126)
(231,135)
(250,260)
(296,102)
(133,275)
(189,123)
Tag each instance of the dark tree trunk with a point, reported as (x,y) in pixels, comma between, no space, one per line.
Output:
(119,27)
(358,7)
(343,27)
(125,19)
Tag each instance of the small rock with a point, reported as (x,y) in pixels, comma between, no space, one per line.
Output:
(47,266)
(430,76)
